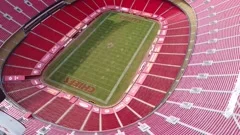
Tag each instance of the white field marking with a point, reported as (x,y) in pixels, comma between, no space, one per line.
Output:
(83,93)
(129,64)
(78,46)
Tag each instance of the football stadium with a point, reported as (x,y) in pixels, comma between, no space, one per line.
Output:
(119,67)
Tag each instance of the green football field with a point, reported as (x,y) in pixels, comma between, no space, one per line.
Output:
(100,64)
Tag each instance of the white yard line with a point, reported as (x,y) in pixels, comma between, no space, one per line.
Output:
(129,64)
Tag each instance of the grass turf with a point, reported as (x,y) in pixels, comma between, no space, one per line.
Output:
(105,57)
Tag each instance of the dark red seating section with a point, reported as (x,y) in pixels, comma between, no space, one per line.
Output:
(174,48)
(141,108)
(8,70)
(29,52)
(57,25)
(164,7)
(159,83)
(100,3)
(93,122)
(131,117)
(83,7)
(140,5)
(127,3)
(20,61)
(150,96)
(16,85)
(153,6)
(166,71)
(36,101)
(179,39)
(118,2)
(92,4)
(41,42)
(18,95)
(170,59)
(50,34)
(68,19)
(110,2)
(109,121)
(54,110)
(75,118)
(74,12)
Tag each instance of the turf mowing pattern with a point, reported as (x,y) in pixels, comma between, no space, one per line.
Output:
(101,63)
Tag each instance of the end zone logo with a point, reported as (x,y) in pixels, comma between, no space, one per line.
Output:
(79,85)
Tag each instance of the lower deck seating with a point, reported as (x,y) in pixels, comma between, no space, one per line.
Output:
(150,96)
(66,18)
(18,95)
(20,61)
(75,117)
(92,122)
(159,83)
(109,2)
(165,71)
(16,85)
(109,121)
(34,102)
(92,4)
(41,42)
(127,3)
(164,7)
(100,3)
(54,110)
(140,4)
(131,117)
(83,7)
(74,12)
(29,52)
(176,39)
(139,107)
(57,25)
(16,71)
(50,34)
(174,48)
(170,59)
